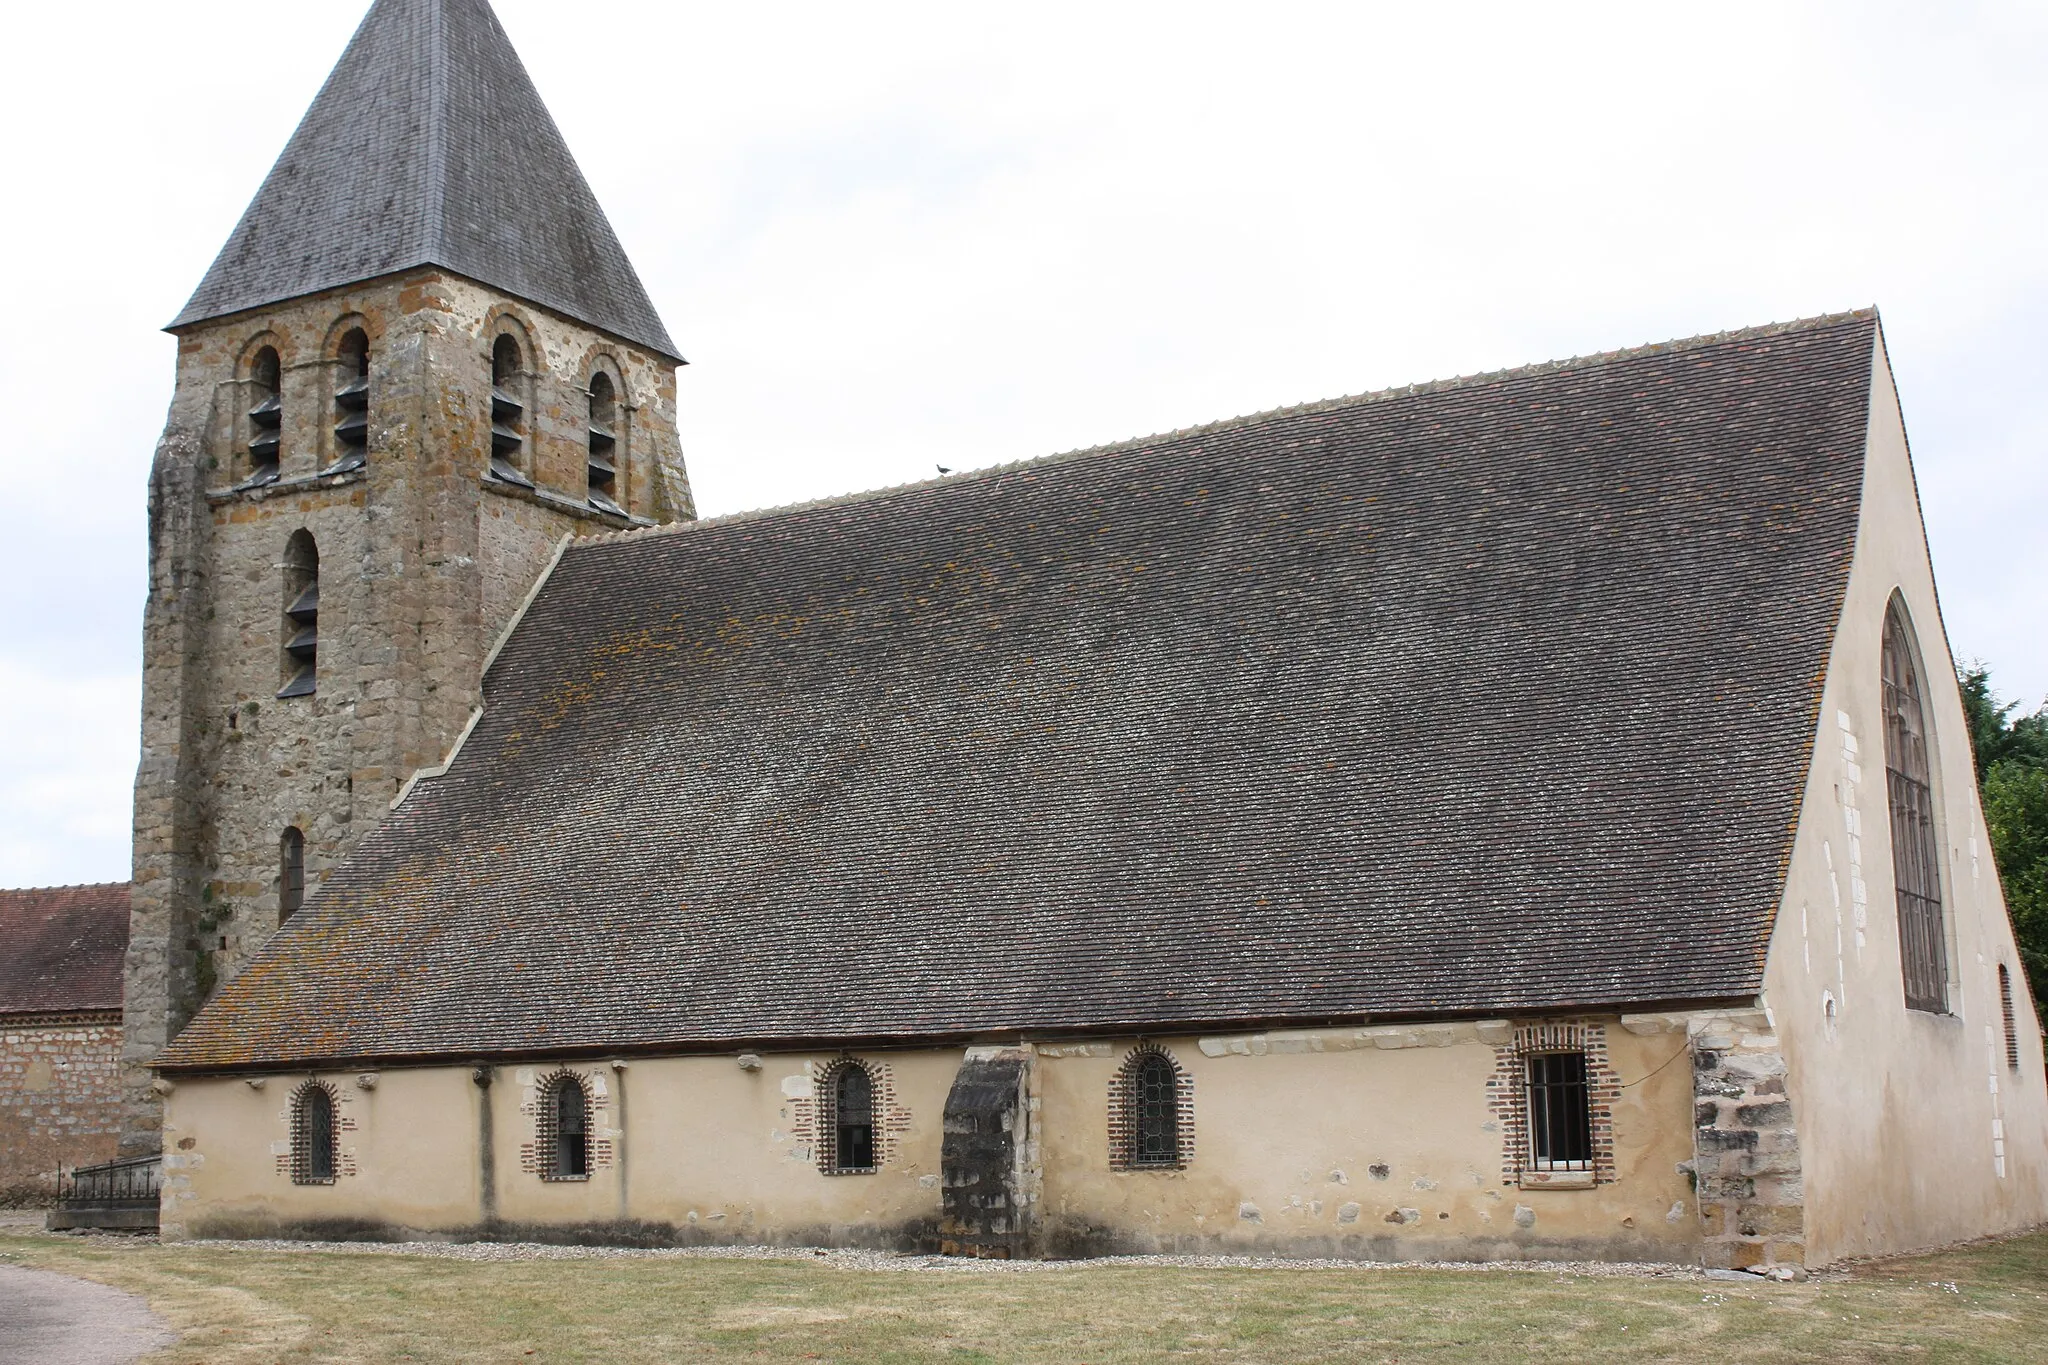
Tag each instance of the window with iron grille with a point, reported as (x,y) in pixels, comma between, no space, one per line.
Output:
(291,872)
(2012,1032)
(313,1135)
(1151,1112)
(852,1119)
(1916,863)
(1560,1112)
(564,1128)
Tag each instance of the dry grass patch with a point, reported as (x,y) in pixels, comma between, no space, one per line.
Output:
(237,1305)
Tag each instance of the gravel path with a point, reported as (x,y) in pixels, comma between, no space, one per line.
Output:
(842,1259)
(56,1320)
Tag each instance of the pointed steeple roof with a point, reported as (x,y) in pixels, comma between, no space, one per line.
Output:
(428,145)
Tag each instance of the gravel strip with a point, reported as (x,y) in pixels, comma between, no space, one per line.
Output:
(844,1259)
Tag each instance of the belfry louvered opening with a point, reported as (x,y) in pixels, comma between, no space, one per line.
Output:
(604,445)
(265,418)
(508,411)
(301,627)
(351,403)
(1916,862)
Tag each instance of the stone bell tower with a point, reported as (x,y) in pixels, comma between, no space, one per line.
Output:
(421,360)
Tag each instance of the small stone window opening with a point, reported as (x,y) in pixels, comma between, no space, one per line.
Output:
(1916,861)
(1155,1122)
(1560,1112)
(352,403)
(266,419)
(2012,1032)
(301,628)
(853,1120)
(291,874)
(604,442)
(508,412)
(565,1130)
(313,1133)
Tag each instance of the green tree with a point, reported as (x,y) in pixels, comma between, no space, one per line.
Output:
(2012,779)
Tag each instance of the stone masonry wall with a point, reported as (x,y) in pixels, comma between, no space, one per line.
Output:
(1746,1160)
(60,1100)
(422,560)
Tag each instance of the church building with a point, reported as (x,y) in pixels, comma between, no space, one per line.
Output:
(1523,815)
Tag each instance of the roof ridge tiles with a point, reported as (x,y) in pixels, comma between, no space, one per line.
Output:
(61,886)
(1341,402)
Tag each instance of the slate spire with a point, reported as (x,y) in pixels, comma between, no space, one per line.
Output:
(429,145)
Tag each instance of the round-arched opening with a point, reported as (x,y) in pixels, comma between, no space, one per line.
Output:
(571,1116)
(854,1119)
(300,629)
(505,359)
(291,872)
(354,354)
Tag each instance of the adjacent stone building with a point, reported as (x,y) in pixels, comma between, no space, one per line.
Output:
(1524,815)
(60,1033)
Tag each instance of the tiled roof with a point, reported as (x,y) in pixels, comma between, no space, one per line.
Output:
(61,948)
(429,146)
(1488,696)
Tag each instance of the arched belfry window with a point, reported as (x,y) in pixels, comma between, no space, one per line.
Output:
(266,418)
(604,444)
(301,627)
(508,411)
(313,1135)
(291,872)
(1916,860)
(351,403)
(846,1103)
(1151,1113)
(564,1128)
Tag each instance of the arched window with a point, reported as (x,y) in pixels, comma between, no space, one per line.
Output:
(266,418)
(313,1135)
(1916,862)
(352,403)
(508,411)
(846,1119)
(565,1128)
(604,442)
(2012,1032)
(1150,1111)
(301,630)
(291,872)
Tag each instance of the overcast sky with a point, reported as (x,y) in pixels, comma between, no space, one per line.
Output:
(891,236)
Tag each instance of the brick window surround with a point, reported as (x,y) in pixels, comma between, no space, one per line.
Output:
(1123,1112)
(825,1113)
(310,1164)
(1508,1099)
(547,1114)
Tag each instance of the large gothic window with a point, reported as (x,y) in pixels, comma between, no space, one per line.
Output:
(1916,860)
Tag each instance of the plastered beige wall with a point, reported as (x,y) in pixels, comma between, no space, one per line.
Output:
(1902,1114)
(1351,1143)
(1367,1143)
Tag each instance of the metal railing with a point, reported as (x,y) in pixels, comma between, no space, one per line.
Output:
(132,1182)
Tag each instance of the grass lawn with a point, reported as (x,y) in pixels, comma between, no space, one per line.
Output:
(238,1305)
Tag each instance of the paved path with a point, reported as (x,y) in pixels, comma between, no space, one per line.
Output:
(56,1320)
